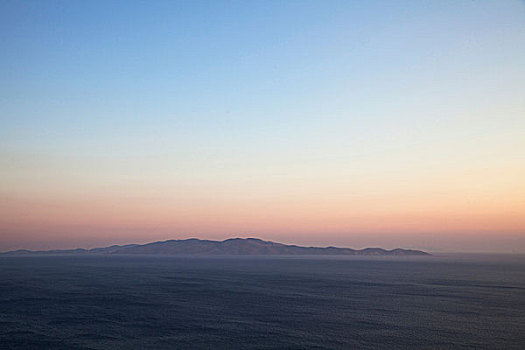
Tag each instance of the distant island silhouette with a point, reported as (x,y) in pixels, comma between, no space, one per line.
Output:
(232,246)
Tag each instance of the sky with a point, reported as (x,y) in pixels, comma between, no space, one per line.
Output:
(348,123)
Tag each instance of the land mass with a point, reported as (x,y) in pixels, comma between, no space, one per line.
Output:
(232,246)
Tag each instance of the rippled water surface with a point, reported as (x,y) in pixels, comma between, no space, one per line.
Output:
(153,302)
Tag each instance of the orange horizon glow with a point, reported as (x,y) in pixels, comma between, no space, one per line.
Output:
(326,125)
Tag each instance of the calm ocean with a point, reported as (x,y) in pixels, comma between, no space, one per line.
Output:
(155,302)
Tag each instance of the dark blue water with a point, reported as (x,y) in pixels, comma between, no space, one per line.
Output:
(119,302)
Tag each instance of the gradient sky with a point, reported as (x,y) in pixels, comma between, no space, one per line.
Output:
(349,123)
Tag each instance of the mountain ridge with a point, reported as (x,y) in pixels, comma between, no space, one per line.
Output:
(231,246)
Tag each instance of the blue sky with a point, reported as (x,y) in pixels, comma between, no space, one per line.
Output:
(214,93)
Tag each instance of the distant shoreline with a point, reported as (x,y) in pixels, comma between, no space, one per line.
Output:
(228,247)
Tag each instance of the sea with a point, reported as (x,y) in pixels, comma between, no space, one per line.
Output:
(262,302)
